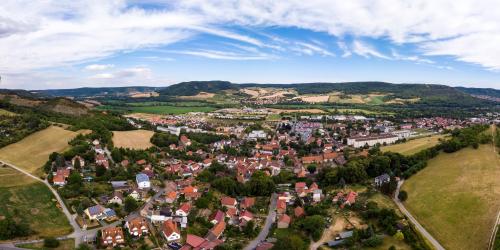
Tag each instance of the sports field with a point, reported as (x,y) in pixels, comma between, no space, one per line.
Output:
(33,151)
(24,199)
(413,146)
(135,139)
(456,197)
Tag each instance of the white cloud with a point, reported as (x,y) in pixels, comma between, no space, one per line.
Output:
(57,33)
(311,49)
(468,30)
(366,50)
(97,67)
(136,72)
(346,52)
(224,55)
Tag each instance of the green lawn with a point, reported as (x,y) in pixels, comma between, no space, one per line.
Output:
(413,146)
(31,202)
(456,197)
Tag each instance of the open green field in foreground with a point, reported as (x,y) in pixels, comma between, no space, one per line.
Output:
(162,109)
(413,146)
(27,200)
(456,197)
(33,151)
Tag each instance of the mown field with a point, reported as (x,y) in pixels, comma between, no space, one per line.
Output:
(413,146)
(135,139)
(26,200)
(456,197)
(33,151)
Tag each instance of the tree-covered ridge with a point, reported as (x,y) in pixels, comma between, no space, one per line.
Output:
(428,93)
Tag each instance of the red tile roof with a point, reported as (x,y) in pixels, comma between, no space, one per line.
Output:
(228,201)
(170,227)
(194,240)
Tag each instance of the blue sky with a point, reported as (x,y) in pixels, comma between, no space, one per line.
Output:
(66,44)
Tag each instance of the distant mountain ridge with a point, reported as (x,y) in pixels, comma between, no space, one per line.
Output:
(426,92)
(97,91)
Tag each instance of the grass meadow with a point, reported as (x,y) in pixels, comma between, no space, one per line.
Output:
(413,146)
(135,139)
(456,197)
(25,199)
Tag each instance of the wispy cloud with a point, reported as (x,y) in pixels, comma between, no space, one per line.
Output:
(96,67)
(311,49)
(223,55)
(366,50)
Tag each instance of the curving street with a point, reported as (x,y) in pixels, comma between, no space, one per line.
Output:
(267,226)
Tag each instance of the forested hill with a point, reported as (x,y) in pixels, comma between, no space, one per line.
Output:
(427,93)
(95,92)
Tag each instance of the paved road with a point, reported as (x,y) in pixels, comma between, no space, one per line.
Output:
(271,216)
(419,227)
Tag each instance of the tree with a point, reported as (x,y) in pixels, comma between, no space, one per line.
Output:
(10,229)
(50,242)
(226,185)
(399,236)
(75,179)
(83,246)
(314,225)
(130,204)
(202,202)
(403,195)
(290,242)
(77,165)
(311,168)
(260,184)
(100,170)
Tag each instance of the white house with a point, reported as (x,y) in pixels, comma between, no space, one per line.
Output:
(257,134)
(170,231)
(142,181)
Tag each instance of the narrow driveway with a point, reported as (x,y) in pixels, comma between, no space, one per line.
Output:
(267,226)
(419,227)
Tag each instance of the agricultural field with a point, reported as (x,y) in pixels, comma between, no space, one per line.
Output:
(33,151)
(456,197)
(413,146)
(29,201)
(135,139)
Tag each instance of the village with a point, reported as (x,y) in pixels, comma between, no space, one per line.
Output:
(207,184)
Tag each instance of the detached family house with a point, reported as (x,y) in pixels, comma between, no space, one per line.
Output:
(137,226)
(142,181)
(112,236)
(170,231)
